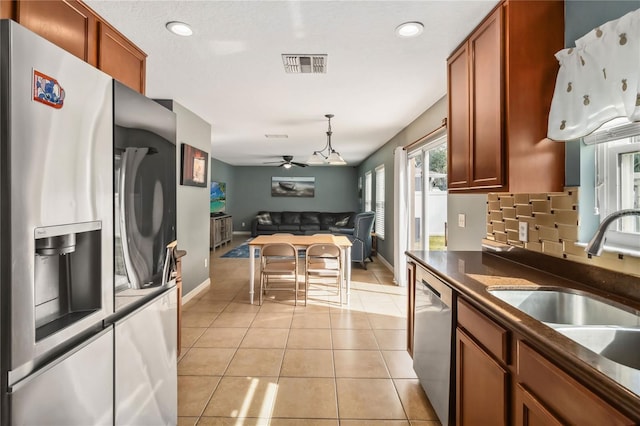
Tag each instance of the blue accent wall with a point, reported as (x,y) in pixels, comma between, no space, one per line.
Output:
(249,190)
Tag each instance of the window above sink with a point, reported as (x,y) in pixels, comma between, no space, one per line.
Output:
(617,181)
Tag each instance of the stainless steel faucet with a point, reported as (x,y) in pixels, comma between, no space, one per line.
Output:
(595,245)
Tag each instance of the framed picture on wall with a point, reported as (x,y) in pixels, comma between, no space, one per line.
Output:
(293,186)
(217,197)
(194,166)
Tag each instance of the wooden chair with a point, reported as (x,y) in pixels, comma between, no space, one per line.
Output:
(279,260)
(323,262)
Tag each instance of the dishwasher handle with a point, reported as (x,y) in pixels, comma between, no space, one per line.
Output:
(439,288)
(432,290)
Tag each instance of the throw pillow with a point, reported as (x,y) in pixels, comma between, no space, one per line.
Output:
(343,221)
(264,219)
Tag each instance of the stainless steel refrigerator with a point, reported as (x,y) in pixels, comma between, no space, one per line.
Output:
(59,329)
(55,234)
(144,158)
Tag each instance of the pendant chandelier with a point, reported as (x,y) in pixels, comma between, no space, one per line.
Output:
(331,156)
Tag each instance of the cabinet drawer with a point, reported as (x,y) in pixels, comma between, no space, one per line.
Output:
(562,394)
(493,337)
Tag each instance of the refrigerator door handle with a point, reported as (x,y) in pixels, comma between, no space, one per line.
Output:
(167,269)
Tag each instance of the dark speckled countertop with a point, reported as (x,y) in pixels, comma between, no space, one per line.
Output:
(471,273)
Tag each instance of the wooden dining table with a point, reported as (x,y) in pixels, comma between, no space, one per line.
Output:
(302,242)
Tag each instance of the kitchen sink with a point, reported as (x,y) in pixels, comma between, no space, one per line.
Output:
(607,328)
(620,345)
(568,307)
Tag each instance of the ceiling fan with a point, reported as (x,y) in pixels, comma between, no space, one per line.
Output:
(287,162)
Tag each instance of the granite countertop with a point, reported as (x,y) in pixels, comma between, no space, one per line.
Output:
(470,273)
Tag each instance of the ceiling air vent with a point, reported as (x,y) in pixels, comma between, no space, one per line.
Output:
(305,64)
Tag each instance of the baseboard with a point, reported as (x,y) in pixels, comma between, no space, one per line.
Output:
(384,262)
(241,232)
(196,291)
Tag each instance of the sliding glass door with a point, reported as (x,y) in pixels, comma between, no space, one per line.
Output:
(427,185)
(416,206)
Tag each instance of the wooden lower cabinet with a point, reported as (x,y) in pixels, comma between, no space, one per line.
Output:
(502,380)
(221,231)
(555,391)
(411,304)
(531,412)
(481,385)
(179,255)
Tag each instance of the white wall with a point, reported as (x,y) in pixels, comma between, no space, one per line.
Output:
(192,202)
(423,124)
(474,207)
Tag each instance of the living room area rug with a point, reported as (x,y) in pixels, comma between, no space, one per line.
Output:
(240,252)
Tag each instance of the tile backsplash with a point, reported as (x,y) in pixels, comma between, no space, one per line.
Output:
(553,223)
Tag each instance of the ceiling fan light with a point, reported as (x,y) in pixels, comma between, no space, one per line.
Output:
(335,159)
(315,158)
(287,165)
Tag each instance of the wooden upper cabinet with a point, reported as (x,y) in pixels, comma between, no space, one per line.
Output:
(121,59)
(499,142)
(7,9)
(66,23)
(74,27)
(485,48)
(458,122)
(535,32)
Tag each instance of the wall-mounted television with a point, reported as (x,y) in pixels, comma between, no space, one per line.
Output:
(218,197)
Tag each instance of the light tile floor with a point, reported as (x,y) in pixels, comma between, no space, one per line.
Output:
(276,364)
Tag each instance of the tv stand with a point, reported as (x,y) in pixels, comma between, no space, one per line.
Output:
(220,230)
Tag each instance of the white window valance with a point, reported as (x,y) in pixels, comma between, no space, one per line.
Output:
(598,80)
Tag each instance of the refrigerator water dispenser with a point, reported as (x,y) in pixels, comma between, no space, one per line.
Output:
(67,276)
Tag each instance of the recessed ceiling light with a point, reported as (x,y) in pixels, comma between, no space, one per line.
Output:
(179,28)
(409,29)
(276,136)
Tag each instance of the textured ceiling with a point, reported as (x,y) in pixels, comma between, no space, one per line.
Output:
(230,71)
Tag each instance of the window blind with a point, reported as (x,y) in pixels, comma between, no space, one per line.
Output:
(380,202)
(367,191)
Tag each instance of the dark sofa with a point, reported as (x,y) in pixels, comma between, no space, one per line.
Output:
(299,223)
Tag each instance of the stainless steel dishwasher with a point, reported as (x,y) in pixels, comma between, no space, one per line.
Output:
(433,341)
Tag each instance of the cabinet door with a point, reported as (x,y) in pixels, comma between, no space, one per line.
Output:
(531,412)
(561,393)
(458,121)
(481,385)
(228,229)
(486,51)
(212,233)
(66,23)
(120,58)
(217,232)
